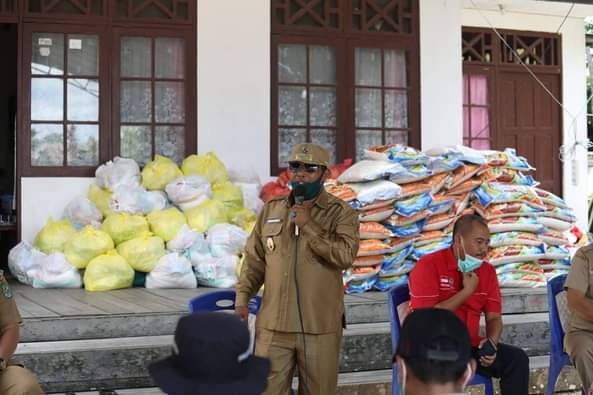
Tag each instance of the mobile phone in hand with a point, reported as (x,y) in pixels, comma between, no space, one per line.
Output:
(487,349)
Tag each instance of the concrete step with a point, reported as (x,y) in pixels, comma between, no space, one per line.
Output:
(378,382)
(121,362)
(370,307)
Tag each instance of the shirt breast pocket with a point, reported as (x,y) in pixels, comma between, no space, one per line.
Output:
(271,235)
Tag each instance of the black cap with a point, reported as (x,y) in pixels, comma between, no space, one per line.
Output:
(434,335)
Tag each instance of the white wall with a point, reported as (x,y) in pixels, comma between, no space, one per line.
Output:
(234,82)
(441,75)
(573,82)
(44,197)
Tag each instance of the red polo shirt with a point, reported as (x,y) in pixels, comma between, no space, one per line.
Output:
(436,278)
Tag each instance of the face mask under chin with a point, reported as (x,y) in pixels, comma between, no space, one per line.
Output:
(470,263)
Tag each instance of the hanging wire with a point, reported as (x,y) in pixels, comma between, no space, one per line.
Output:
(567,151)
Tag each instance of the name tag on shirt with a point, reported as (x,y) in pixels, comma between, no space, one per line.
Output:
(273,221)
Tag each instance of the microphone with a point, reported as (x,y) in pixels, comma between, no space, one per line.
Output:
(299,197)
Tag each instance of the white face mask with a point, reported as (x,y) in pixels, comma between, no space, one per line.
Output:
(466,379)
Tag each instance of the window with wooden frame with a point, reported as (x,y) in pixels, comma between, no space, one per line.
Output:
(345,75)
(476,111)
(119,83)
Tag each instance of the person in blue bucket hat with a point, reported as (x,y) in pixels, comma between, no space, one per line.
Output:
(211,355)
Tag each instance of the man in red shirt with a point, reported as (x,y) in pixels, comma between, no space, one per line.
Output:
(458,279)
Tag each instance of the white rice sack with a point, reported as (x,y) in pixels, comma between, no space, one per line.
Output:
(217,272)
(189,189)
(185,238)
(82,212)
(56,272)
(172,271)
(555,223)
(24,261)
(120,171)
(370,170)
(369,192)
(226,239)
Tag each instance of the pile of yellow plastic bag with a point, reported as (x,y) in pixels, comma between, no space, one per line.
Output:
(116,240)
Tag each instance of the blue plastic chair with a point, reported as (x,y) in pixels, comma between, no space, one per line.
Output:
(558,358)
(220,300)
(397,296)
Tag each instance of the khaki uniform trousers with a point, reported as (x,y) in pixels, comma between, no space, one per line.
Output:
(16,380)
(579,345)
(285,351)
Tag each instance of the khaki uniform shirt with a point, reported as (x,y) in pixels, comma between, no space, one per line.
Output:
(580,278)
(327,244)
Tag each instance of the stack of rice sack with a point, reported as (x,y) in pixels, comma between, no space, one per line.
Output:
(170,227)
(527,224)
(408,202)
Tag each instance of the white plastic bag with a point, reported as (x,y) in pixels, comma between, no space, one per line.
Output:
(251,198)
(189,189)
(82,212)
(172,271)
(23,261)
(185,238)
(226,239)
(121,171)
(137,200)
(56,272)
(217,272)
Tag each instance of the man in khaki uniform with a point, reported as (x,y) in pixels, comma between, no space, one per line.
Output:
(578,340)
(302,314)
(14,379)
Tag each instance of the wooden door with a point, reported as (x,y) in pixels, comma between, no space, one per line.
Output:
(529,120)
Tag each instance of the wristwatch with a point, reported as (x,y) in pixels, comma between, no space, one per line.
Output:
(2,364)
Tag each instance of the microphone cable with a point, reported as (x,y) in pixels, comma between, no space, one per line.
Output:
(300,310)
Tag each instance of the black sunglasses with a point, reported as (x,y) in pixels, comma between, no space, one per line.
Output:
(296,166)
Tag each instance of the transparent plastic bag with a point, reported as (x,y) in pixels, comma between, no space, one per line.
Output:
(82,212)
(108,272)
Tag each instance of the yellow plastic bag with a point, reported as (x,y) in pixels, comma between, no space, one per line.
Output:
(101,198)
(166,223)
(54,235)
(207,166)
(159,172)
(108,272)
(244,218)
(142,253)
(206,214)
(86,245)
(123,227)
(230,195)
